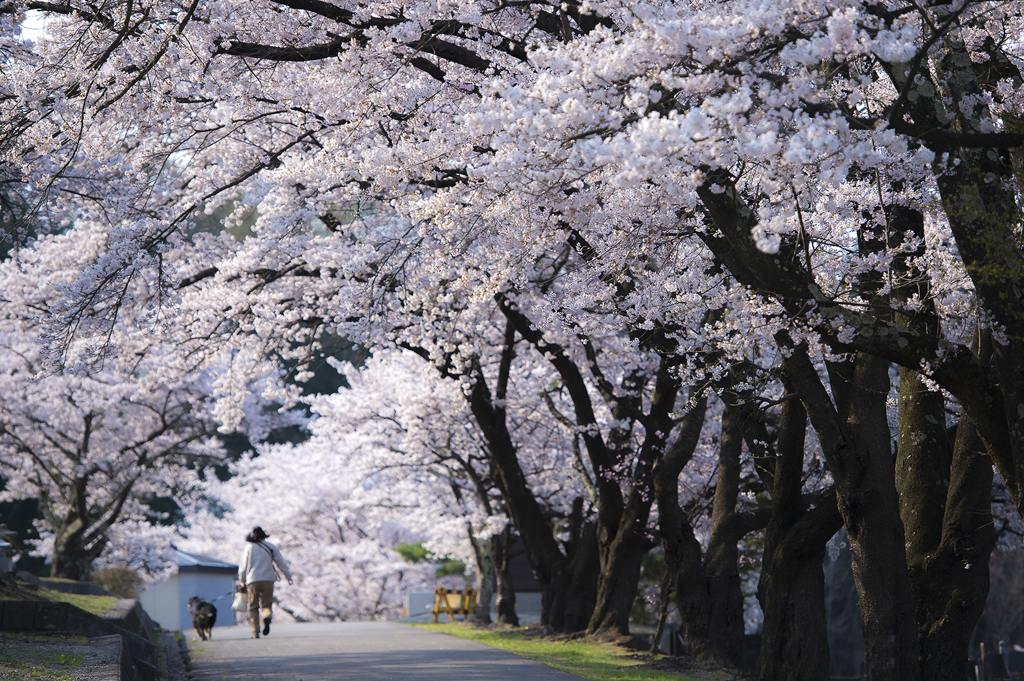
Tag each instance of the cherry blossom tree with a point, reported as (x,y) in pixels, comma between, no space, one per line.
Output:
(91,439)
(392,459)
(839,179)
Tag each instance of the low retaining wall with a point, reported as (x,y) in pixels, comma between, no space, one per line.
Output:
(129,614)
(51,616)
(126,671)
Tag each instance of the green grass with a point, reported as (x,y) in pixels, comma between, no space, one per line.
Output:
(97,605)
(56,658)
(583,657)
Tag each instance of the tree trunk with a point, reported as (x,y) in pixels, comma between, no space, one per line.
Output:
(866,495)
(794,639)
(486,578)
(708,585)
(622,525)
(621,554)
(585,569)
(979,200)
(870,507)
(945,492)
(684,550)
(505,604)
(721,562)
(794,642)
(542,551)
(665,591)
(71,559)
(854,437)
(951,584)
(80,535)
(683,553)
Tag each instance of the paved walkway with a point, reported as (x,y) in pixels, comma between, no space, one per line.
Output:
(360,651)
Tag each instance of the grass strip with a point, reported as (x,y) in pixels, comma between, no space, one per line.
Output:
(97,605)
(583,657)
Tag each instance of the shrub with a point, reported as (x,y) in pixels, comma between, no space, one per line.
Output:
(121,581)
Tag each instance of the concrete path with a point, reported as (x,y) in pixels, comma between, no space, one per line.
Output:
(360,651)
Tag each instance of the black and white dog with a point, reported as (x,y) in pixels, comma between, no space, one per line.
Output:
(204,616)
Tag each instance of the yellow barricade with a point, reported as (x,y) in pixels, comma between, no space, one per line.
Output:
(454,602)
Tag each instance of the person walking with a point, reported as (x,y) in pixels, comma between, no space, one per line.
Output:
(257,571)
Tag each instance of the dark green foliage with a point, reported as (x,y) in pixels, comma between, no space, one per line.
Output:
(417,553)
(450,568)
(653,567)
(413,553)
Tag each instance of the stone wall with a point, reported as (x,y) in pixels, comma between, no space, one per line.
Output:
(139,655)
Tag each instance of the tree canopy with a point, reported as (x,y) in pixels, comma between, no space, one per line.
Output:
(775,203)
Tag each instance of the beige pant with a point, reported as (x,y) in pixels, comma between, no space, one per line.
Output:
(260,594)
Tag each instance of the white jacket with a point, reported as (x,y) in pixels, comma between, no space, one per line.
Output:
(257,563)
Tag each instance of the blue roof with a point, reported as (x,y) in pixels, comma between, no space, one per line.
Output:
(194,560)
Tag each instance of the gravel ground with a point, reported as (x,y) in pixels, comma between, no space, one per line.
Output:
(65,657)
(58,658)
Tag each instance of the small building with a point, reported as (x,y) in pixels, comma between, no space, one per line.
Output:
(6,550)
(6,556)
(208,578)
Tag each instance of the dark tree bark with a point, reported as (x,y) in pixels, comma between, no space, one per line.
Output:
(505,603)
(976,187)
(721,561)
(542,550)
(620,554)
(621,518)
(484,555)
(951,581)
(945,491)
(684,556)
(545,556)
(622,526)
(854,436)
(72,559)
(80,534)
(853,432)
(989,391)
(584,569)
(709,591)
(707,584)
(794,642)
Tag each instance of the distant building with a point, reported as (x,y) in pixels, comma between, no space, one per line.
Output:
(6,556)
(6,549)
(208,578)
